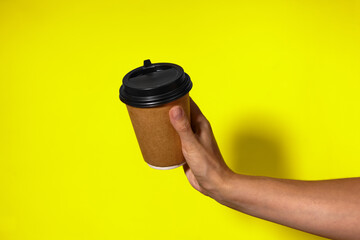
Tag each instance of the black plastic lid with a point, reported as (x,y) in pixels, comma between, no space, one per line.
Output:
(154,84)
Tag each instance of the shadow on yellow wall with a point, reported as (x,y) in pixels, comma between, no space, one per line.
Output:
(259,148)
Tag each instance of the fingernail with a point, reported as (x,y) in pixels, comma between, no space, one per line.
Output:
(177,113)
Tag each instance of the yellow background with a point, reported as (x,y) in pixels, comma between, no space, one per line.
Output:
(278,80)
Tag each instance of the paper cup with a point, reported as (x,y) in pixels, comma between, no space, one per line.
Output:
(149,95)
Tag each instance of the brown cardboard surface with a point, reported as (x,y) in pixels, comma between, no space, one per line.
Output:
(159,142)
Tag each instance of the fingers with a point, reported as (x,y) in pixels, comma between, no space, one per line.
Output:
(195,111)
(198,120)
(191,177)
(183,127)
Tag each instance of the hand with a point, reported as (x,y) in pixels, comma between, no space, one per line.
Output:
(205,169)
(328,208)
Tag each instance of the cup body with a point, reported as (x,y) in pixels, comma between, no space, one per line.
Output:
(159,143)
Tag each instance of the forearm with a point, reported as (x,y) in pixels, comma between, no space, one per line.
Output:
(328,208)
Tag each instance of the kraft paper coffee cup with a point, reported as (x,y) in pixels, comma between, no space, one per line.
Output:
(149,92)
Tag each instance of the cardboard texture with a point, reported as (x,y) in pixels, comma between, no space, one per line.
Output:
(159,143)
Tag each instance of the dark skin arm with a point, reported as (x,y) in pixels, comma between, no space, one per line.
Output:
(328,208)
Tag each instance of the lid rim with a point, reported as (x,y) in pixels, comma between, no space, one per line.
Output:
(156,100)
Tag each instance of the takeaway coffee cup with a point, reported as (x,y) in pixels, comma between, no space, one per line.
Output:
(149,92)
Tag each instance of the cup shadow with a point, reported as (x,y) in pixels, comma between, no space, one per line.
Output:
(259,148)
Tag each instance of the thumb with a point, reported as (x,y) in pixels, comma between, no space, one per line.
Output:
(183,127)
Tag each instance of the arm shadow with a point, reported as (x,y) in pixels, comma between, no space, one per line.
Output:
(262,146)
(259,147)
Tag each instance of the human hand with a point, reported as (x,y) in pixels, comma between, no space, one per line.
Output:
(294,203)
(205,169)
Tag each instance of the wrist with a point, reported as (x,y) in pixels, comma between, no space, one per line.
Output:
(235,191)
(225,187)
